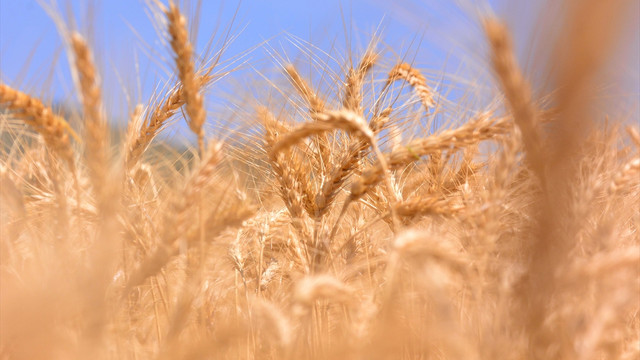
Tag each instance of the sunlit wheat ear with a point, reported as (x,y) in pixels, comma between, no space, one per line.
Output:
(517,92)
(415,78)
(484,127)
(346,165)
(354,82)
(292,184)
(54,129)
(315,104)
(140,135)
(349,121)
(96,131)
(332,120)
(379,122)
(183,51)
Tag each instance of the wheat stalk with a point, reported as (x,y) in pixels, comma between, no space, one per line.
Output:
(415,78)
(96,130)
(355,79)
(315,104)
(482,128)
(183,50)
(517,92)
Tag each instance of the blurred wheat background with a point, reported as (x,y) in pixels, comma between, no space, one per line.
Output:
(405,181)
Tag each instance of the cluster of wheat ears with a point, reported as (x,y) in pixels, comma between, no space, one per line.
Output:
(327,230)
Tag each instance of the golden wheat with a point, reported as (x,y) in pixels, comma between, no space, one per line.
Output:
(331,226)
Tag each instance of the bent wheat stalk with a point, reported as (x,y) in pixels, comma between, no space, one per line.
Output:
(327,121)
(53,128)
(141,136)
(482,128)
(413,76)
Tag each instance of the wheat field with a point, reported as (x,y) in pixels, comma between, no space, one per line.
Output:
(336,223)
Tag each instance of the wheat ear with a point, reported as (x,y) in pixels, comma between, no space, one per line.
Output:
(345,167)
(517,92)
(314,102)
(482,128)
(96,128)
(141,135)
(54,129)
(327,121)
(353,85)
(184,62)
(290,185)
(415,78)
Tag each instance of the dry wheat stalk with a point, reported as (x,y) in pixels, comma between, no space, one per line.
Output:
(96,131)
(482,128)
(292,186)
(517,92)
(413,76)
(326,121)
(184,62)
(346,166)
(139,137)
(53,128)
(314,102)
(355,78)
(316,105)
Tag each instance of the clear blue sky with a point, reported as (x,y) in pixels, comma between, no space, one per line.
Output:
(439,36)
(30,43)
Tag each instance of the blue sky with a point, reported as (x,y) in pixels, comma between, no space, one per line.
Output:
(30,43)
(439,35)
